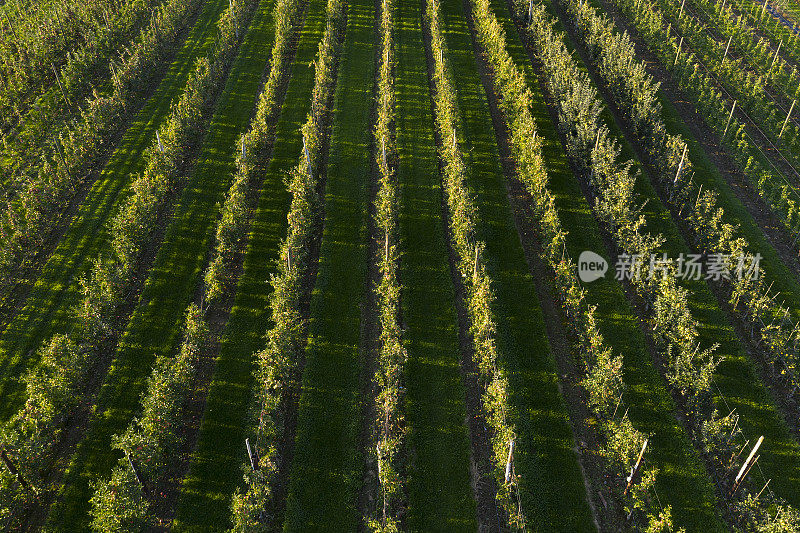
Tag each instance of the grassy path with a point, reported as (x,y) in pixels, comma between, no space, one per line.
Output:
(49,306)
(155,326)
(326,468)
(439,493)
(205,494)
(736,382)
(554,495)
(683,481)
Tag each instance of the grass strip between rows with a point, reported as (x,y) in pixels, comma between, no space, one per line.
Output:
(326,469)
(439,493)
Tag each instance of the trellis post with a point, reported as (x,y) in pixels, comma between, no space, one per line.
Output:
(160,145)
(308,157)
(510,459)
(727,47)
(137,474)
(775,57)
(678,54)
(680,165)
(63,92)
(253,454)
(730,116)
(785,122)
(680,13)
(748,464)
(635,468)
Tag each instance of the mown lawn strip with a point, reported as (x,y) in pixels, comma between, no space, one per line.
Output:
(439,493)
(327,466)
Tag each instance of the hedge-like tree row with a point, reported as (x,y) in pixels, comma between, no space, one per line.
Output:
(742,84)
(771,66)
(232,226)
(672,321)
(277,365)
(768,323)
(389,425)
(87,66)
(151,443)
(774,30)
(30,216)
(603,370)
(56,386)
(46,36)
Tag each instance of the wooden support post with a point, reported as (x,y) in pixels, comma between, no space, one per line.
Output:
(137,474)
(386,248)
(635,469)
(253,454)
(475,271)
(680,165)
(454,138)
(680,13)
(244,150)
(383,151)
(63,92)
(762,489)
(775,57)
(722,9)
(160,145)
(288,259)
(785,122)
(727,47)
(530,11)
(16,473)
(748,464)
(728,123)
(308,157)
(763,9)
(678,54)
(510,459)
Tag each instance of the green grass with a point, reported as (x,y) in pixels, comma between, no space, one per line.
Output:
(327,466)
(554,495)
(49,307)
(736,382)
(205,494)
(439,494)
(155,326)
(683,481)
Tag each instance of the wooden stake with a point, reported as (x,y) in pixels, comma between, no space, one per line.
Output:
(383,151)
(748,464)
(787,118)
(726,50)
(137,474)
(680,13)
(635,468)
(775,57)
(253,454)
(680,165)
(160,146)
(677,55)
(728,123)
(762,489)
(308,157)
(530,11)
(475,271)
(289,259)
(14,472)
(510,459)
(63,92)
(386,247)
